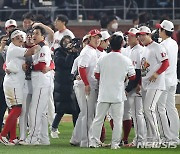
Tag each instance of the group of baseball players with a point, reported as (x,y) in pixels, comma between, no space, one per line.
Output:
(136,79)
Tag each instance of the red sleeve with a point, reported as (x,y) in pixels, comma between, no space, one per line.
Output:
(83,74)
(52,65)
(97,76)
(4,66)
(164,66)
(40,66)
(132,77)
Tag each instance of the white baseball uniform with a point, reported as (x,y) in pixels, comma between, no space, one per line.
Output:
(113,69)
(81,99)
(27,97)
(127,110)
(88,59)
(166,109)
(14,82)
(38,133)
(151,60)
(58,36)
(135,100)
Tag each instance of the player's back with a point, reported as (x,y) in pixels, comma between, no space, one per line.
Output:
(113,69)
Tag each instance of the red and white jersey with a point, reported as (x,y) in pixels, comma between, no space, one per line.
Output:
(135,56)
(113,69)
(171,48)
(151,59)
(38,78)
(58,36)
(15,56)
(88,59)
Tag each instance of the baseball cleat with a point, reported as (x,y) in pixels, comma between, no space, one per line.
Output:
(54,134)
(5,141)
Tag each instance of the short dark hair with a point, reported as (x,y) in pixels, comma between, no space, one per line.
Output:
(111,18)
(29,16)
(104,21)
(2,36)
(62,18)
(168,33)
(42,30)
(116,42)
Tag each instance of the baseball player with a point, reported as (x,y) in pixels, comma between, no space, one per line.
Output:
(127,120)
(38,133)
(14,82)
(100,53)
(111,70)
(60,23)
(154,62)
(166,105)
(134,99)
(80,96)
(87,62)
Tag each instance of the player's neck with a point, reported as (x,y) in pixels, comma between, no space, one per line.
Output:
(62,29)
(165,37)
(133,45)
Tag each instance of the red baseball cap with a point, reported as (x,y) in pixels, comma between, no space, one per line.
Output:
(94,32)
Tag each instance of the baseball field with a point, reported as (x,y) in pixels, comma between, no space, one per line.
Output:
(62,146)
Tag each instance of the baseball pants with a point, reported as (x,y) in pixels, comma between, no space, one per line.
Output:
(81,99)
(88,114)
(117,115)
(38,133)
(150,98)
(172,112)
(138,118)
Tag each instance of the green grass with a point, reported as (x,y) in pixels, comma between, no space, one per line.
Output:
(62,146)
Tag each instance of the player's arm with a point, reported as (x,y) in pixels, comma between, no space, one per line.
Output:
(83,75)
(48,30)
(163,67)
(32,51)
(133,81)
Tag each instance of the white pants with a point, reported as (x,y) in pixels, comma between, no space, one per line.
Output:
(162,118)
(138,118)
(23,119)
(117,115)
(172,112)
(127,111)
(88,114)
(51,108)
(150,98)
(38,117)
(81,99)
(13,96)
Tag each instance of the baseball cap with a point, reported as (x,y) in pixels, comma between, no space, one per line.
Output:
(132,31)
(167,25)
(10,23)
(94,32)
(119,33)
(85,37)
(105,35)
(16,33)
(144,30)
